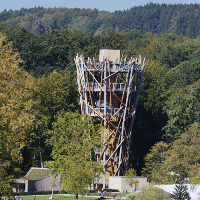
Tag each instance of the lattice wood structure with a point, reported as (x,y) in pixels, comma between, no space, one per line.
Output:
(109,91)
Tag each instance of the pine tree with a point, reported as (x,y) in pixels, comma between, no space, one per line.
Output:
(181,192)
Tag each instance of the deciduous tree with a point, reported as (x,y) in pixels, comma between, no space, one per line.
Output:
(184,153)
(16,113)
(183,109)
(155,169)
(56,92)
(150,192)
(131,178)
(73,139)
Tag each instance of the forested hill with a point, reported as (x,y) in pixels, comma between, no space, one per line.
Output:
(178,19)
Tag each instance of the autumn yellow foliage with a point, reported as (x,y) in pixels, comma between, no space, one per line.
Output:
(16,112)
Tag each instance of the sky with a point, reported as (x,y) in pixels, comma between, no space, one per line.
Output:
(107,5)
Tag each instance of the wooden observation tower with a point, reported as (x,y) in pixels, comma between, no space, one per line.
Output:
(109,90)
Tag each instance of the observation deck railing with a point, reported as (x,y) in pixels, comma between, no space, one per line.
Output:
(113,86)
(111,65)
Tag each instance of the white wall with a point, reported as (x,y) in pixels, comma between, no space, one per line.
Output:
(118,182)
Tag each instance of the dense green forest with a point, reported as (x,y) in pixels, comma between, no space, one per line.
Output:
(38,80)
(180,19)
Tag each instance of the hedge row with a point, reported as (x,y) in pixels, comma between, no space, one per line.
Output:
(39,193)
(85,191)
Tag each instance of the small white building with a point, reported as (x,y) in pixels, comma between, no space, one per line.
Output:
(37,179)
(118,182)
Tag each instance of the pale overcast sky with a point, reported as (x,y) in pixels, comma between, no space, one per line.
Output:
(108,5)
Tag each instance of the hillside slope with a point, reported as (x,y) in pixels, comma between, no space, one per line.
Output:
(178,19)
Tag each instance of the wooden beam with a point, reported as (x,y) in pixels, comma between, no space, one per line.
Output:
(114,151)
(124,81)
(115,94)
(118,168)
(94,78)
(95,111)
(116,112)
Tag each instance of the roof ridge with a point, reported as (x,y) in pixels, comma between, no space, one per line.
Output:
(30,170)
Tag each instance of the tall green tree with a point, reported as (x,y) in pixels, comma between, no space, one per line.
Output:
(184,155)
(187,73)
(54,93)
(155,169)
(182,109)
(73,138)
(17,113)
(150,117)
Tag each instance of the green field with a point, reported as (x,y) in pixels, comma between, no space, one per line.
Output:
(56,197)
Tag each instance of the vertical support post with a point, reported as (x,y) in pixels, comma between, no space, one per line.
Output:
(84,85)
(124,116)
(79,86)
(105,112)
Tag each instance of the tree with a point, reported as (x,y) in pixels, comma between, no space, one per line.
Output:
(150,192)
(55,92)
(195,180)
(183,109)
(131,34)
(73,138)
(155,169)
(184,155)
(181,192)
(131,178)
(150,118)
(17,109)
(184,74)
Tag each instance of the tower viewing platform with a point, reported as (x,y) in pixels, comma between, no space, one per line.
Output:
(109,90)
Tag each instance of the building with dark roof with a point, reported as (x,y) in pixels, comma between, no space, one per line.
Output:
(37,179)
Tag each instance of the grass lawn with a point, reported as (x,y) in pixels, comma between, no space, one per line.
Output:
(56,197)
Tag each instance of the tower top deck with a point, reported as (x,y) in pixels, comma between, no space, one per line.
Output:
(121,67)
(114,64)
